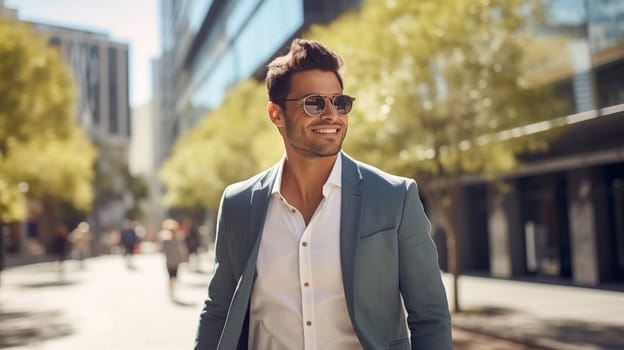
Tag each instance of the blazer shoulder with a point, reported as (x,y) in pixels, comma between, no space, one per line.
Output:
(378,177)
(246,187)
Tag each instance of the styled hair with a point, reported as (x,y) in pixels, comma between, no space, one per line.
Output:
(303,55)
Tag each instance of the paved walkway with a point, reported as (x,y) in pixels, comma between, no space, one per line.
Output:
(105,306)
(108,306)
(540,315)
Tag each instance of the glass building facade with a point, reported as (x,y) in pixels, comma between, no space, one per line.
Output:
(563,219)
(210,45)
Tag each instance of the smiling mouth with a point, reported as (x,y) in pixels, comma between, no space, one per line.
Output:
(326,131)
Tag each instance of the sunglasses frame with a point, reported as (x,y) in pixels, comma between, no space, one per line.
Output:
(331,97)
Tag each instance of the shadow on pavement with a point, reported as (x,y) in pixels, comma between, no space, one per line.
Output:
(488,311)
(60,283)
(463,340)
(20,328)
(184,304)
(584,333)
(538,332)
(199,272)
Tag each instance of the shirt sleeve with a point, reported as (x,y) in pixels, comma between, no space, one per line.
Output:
(428,316)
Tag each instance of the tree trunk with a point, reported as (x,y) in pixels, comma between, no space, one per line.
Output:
(448,212)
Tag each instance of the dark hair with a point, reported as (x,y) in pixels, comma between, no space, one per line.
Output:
(303,55)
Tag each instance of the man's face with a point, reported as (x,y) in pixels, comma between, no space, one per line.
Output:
(313,136)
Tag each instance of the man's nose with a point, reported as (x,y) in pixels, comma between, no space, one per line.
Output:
(329,111)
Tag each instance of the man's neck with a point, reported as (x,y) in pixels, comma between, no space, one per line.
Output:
(303,180)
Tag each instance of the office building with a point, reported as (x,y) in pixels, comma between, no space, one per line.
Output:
(99,67)
(563,217)
(210,45)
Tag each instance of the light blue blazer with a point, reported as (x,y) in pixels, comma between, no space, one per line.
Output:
(388,260)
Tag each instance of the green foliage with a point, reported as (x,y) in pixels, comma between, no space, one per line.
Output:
(60,168)
(231,143)
(39,143)
(443,88)
(440,84)
(139,190)
(36,90)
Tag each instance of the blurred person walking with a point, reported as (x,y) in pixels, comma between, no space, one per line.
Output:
(81,239)
(321,251)
(175,251)
(192,240)
(129,240)
(60,246)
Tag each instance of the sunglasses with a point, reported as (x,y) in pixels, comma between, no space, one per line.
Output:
(314,105)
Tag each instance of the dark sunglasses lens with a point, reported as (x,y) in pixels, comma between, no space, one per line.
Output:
(343,104)
(314,105)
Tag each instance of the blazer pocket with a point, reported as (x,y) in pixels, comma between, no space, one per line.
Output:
(384,230)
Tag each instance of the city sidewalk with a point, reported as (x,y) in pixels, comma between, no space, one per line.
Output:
(108,306)
(541,316)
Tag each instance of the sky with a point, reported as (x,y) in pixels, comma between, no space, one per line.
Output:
(134,22)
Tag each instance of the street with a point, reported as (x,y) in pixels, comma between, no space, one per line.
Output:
(106,305)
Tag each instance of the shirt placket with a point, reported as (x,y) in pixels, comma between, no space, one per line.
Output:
(307,291)
(308,318)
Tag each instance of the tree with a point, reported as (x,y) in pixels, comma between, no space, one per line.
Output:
(443,90)
(138,188)
(229,144)
(39,143)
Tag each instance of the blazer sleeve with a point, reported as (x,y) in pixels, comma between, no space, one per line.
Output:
(428,316)
(220,289)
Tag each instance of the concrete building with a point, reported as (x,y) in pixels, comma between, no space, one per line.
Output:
(563,218)
(142,162)
(99,66)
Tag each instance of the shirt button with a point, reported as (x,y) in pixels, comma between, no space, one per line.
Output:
(306,284)
(292,211)
(309,323)
(305,244)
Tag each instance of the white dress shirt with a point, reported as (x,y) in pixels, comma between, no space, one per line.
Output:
(298,301)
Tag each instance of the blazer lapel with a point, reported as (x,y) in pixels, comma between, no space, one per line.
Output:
(350,220)
(259,204)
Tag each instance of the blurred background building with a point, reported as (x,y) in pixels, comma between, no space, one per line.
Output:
(99,66)
(100,69)
(563,217)
(210,45)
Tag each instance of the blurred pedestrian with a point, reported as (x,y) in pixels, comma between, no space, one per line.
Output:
(192,240)
(81,239)
(322,251)
(59,245)
(175,251)
(129,240)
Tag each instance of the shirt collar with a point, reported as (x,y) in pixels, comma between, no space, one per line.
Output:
(334,179)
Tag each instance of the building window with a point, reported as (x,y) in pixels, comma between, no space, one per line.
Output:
(93,83)
(113,121)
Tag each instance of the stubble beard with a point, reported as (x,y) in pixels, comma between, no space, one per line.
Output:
(307,147)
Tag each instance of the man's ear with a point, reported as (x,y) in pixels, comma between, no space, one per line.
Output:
(276,114)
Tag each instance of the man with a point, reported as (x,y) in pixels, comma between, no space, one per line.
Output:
(321,251)
(129,240)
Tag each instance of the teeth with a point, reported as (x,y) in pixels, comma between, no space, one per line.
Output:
(327,131)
